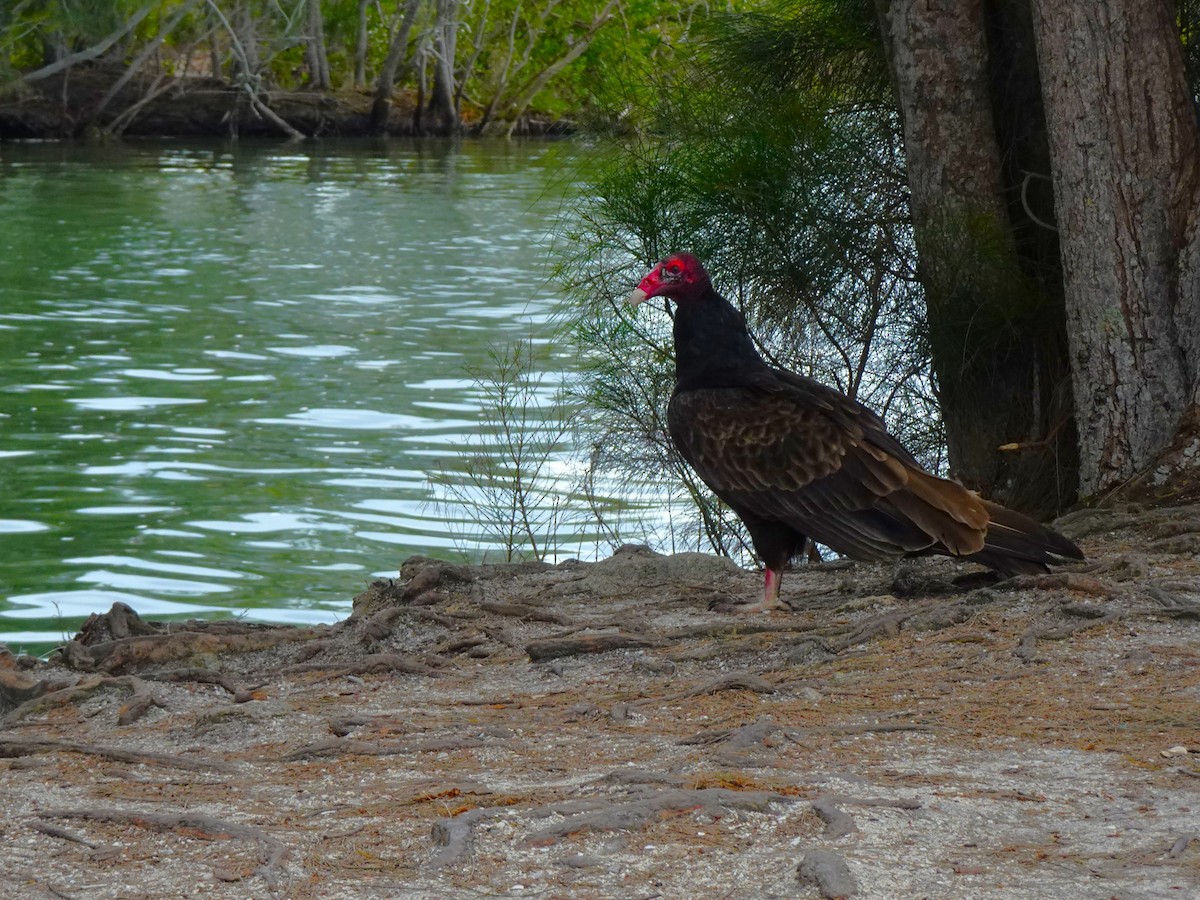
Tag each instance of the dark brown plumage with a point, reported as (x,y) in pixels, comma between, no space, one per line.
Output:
(797,460)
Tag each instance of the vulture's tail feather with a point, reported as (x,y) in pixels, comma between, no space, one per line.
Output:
(1017,545)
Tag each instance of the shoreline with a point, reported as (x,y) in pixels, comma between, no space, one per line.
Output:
(71,107)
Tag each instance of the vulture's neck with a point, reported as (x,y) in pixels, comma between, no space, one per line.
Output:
(712,346)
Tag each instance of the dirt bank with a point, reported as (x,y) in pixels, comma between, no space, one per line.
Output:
(597,731)
(69,106)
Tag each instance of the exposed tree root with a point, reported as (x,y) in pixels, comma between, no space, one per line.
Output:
(635,814)
(121,641)
(191,825)
(1061,581)
(837,823)
(372,664)
(455,835)
(527,613)
(1173,604)
(1027,646)
(54,831)
(339,746)
(140,702)
(17,689)
(14,747)
(205,676)
(552,648)
(829,872)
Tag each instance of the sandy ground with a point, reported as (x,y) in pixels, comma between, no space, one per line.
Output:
(597,731)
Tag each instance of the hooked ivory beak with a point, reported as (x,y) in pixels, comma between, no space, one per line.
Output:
(636,296)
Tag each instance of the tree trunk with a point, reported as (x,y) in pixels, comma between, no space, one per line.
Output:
(381,104)
(65,61)
(576,50)
(142,58)
(318,59)
(441,99)
(1126,157)
(996,325)
(360,47)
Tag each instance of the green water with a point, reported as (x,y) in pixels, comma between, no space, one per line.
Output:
(226,369)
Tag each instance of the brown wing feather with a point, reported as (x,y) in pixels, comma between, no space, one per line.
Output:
(822,466)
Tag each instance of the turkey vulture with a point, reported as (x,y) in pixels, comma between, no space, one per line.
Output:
(799,461)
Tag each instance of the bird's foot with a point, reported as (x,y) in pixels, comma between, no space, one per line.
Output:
(742,607)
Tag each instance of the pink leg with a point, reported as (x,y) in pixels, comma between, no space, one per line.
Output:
(772,578)
(771,583)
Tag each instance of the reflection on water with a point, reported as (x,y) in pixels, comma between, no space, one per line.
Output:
(226,368)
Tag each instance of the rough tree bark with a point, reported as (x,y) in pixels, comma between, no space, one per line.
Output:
(996,324)
(1126,165)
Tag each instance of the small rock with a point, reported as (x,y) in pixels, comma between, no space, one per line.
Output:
(1175,751)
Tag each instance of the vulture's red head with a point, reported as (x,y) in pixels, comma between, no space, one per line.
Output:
(680,277)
